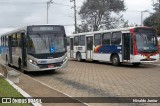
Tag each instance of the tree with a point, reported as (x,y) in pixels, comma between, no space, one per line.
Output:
(154,19)
(98,12)
(149,21)
(83,28)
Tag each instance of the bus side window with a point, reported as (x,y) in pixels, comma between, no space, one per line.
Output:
(97,39)
(14,40)
(68,41)
(82,40)
(116,38)
(3,41)
(19,40)
(6,40)
(76,41)
(106,39)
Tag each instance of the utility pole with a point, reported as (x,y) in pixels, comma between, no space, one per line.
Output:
(142,16)
(48,4)
(75,15)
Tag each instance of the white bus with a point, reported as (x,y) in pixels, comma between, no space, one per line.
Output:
(131,45)
(35,48)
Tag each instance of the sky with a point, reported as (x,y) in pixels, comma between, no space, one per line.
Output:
(16,13)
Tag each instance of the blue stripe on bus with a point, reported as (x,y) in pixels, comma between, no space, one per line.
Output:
(110,49)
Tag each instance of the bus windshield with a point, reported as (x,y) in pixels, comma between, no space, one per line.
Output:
(146,41)
(46,43)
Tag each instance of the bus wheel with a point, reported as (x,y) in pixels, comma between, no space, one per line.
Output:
(115,60)
(78,57)
(136,64)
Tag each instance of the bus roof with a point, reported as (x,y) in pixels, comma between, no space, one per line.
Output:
(25,28)
(110,30)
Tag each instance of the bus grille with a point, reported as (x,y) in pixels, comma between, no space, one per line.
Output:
(48,55)
(47,65)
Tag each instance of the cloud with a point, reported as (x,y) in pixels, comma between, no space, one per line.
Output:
(25,12)
(34,19)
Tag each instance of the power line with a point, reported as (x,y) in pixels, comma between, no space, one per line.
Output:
(62,4)
(12,26)
(30,3)
(20,3)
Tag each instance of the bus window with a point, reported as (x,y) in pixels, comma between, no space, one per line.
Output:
(6,40)
(116,38)
(2,41)
(82,40)
(30,46)
(106,38)
(97,39)
(19,39)
(14,40)
(68,40)
(76,41)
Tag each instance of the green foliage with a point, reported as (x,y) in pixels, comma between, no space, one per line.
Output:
(6,90)
(154,19)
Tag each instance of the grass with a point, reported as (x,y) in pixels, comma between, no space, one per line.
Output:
(6,90)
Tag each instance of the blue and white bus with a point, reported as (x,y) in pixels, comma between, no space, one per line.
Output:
(35,47)
(134,45)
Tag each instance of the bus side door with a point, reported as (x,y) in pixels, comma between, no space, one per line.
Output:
(89,44)
(126,46)
(23,47)
(10,49)
(71,47)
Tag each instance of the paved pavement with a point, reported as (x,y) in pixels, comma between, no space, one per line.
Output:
(37,89)
(88,79)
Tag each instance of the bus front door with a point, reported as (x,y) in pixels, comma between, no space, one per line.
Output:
(126,46)
(10,50)
(89,47)
(23,47)
(71,47)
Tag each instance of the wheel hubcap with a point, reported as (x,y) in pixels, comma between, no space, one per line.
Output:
(115,60)
(78,57)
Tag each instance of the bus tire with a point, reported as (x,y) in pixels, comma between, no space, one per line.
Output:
(136,64)
(79,57)
(115,60)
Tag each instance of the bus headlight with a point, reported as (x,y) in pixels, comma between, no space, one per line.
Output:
(65,59)
(32,61)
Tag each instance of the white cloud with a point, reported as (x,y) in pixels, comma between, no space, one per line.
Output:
(34,19)
(11,15)
(134,8)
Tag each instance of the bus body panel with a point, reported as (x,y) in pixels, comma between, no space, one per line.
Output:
(101,57)
(46,64)
(145,59)
(18,55)
(126,49)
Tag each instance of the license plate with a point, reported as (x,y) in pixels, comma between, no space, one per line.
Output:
(50,66)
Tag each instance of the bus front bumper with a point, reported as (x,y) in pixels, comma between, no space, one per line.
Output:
(45,67)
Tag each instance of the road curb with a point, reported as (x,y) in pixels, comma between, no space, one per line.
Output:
(22,92)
